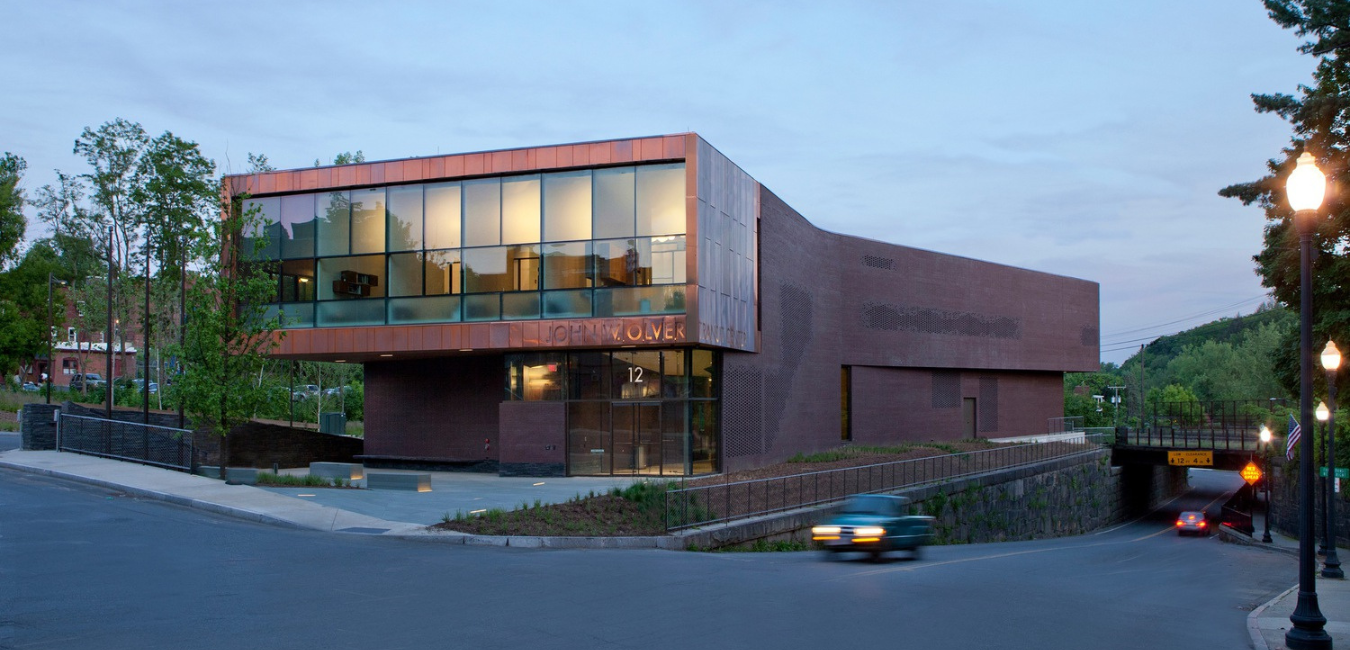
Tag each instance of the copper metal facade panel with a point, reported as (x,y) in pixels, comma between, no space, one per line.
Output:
(726,232)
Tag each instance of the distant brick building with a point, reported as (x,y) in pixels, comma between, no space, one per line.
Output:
(645,307)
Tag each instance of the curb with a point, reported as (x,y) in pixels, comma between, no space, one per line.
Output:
(1228,535)
(1254,628)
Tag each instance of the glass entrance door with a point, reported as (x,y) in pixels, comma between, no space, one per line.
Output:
(637,437)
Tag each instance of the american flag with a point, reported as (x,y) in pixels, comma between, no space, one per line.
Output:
(1295,432)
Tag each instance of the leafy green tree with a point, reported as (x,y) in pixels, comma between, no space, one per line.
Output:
(227,338)
(23,308)
(12,221)
(1320,120)
(344,158)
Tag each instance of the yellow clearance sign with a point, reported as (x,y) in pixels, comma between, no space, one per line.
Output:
(1191,458)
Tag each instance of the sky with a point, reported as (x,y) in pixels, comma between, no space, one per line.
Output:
(1087,139)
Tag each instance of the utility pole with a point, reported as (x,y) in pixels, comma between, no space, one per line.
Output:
(1115,399)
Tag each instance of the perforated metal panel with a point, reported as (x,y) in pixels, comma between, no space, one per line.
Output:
(878,262)
(1089,336)
(946,389)
(988,419)
(795,307)
(879,316)
(742,412)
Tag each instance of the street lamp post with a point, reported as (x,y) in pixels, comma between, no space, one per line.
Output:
(1265,475)
(1305,188)
(1331,566)
(50,335)
(1324,416)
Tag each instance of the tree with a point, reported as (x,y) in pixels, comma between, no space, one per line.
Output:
(1320,118)
(23,308)
(12,221)
(227,338)
(344,158)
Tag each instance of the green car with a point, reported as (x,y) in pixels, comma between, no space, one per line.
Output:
(874,524)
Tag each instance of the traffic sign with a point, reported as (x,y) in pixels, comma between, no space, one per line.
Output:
(1251,473)
(1191,458)
(1341,472)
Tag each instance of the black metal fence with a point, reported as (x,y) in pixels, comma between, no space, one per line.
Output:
(147,444)
(709,504)
(1232,425)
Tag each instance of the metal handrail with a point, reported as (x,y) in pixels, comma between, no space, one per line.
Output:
(782,493)
(148,444)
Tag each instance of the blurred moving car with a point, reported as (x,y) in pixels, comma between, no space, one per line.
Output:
(30,387)
(1192,523)
(875,524)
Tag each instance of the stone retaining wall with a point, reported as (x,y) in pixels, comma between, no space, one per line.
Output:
(1068,496)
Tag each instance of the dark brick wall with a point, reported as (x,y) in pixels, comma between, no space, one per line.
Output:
(37,429)
(896,314)
(434,409)
(533,435)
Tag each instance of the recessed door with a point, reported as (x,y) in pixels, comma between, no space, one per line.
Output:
(968,417)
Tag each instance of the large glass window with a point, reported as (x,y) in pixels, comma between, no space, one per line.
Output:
(297,226)
(265,215)
(443,273)
(567,206)
(567,266)
(405,274)
(430,309)
(614,202)
(483,212)
(352,277)
(335,224)
(520,210)
(443,215)
(405,218)
(660,200)
(505,268)
(297,281)
(368,221)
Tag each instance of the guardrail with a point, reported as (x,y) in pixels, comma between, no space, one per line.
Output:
(147,444)
(701,505)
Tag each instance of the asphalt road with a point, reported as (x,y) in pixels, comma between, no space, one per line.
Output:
(83,567)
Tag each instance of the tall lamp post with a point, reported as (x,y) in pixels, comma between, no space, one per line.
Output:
(50,334)
(1265,476)
(1323,415)
(1331,566)
(1305,188)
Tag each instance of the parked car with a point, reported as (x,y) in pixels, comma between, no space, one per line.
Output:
(88,380)
(336,391)
(304,391)
(139,384)
(30,387)
(1192,523)
(874,524)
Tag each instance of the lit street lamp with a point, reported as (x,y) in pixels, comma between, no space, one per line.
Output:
(1331,566)
(1305,188)
(1265,473)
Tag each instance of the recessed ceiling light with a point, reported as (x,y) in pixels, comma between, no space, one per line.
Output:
(340,361)
(386,355)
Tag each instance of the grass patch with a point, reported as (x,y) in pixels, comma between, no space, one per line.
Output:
(638,509)
(12,401)
(763,546)
(851,451)
(286,480)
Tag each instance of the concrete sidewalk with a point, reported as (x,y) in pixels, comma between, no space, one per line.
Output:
(1268,623)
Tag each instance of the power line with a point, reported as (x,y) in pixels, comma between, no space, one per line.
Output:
(1210,312)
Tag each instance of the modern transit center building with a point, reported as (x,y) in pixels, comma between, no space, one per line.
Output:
(645,307)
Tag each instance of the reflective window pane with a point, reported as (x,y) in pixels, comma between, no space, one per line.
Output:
(588,375)
(405,274)
(352,277)
(297,226)
(636,375)
(483,307)
(431,309)
(520,306)
(567,266)
(506,268)
(483,212)
(703,437)
(668,264)
(623,263)
(701,373)
(588,438)
(567,206)
(614,202)
(520,210)
(674,439)
(368,220)
(335,224)
(535,377)
(293,315)
(405,218)
(442,215)
(660,200)
(297,281)
(350,312)
(637,301)
(567,304)
(674,379)
(265,217)
(442,273)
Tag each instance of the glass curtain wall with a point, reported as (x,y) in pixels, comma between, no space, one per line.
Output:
(578,244)
(638,412)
